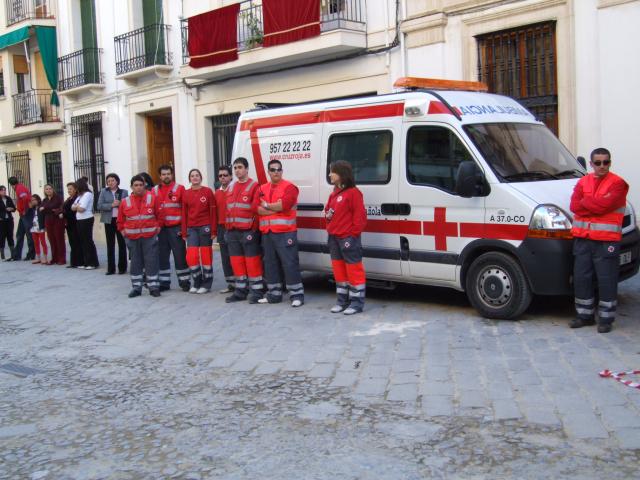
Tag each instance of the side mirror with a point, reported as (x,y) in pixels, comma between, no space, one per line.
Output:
(470,181)
(582,162)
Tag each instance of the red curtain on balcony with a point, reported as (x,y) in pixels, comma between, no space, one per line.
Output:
(213,37)
(290,20)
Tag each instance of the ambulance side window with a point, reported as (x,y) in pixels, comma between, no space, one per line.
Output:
(433,156)
(369,154)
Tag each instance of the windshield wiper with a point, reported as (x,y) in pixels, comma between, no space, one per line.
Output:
(571,171)
(532,174)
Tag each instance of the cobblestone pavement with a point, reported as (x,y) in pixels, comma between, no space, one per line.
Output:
(419,386)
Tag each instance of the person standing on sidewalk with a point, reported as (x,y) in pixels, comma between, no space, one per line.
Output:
(243,236)
(7,207)
(76,257)
(23,199)
(346,218)
(224,177)
(169,198)
(598,203)
(54,225)
(83,207)
(108,204)
(35,216)
(138,222)
(199,228)
(277,208)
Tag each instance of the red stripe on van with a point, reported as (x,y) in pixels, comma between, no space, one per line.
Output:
(337,115)
(437,107)
(257,157)
(494,231)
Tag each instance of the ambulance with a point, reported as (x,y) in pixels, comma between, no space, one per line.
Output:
(463,189)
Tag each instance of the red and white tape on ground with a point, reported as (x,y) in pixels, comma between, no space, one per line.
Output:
(618,376)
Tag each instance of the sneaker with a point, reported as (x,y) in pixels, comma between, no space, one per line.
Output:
(254,300)
(604,328)
(164,288)
(297,303)
(351,311)
(233,299)
(228,289)
(579,323)
(134,293)
(337,309)
(193,290)
(90,268)
(263,301)
(154,293)
(203,290)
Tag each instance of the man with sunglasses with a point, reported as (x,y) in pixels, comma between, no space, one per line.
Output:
(224,177)
(277,209)
(598,203)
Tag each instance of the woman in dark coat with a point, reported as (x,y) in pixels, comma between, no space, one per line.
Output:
(76,256)
(54,225)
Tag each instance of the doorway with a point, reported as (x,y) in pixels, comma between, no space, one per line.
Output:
(159,142)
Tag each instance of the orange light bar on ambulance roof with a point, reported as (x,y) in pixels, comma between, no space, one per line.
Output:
(440,84)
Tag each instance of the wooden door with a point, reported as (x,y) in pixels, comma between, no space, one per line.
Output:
(159,143)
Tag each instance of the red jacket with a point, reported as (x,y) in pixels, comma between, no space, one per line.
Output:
(284,221)
(598,205)
(199,209)
(23,196)
(241,205)
(349,215)
(137,216)
(169,204)
(221,205)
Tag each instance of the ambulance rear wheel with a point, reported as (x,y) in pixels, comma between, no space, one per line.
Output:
(497,287)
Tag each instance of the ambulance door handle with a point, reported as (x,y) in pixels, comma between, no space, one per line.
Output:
(404,209)
(404,248)
(389,209)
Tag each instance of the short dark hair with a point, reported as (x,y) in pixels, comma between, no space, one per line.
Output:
(2,187)
(115,177)
(148,181)
(138,178)
(600,151)
(242,161)
(226,168)
(73,184)
(13,181)
(165,167)
(82,184)
(271,162)
(344,171)
(37,197)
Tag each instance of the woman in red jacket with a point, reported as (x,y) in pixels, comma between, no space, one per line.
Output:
(199,229)
(346,218)
(54,224)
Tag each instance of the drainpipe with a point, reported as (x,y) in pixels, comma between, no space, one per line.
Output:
(402,45)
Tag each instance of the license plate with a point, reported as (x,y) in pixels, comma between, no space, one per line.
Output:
(625,258)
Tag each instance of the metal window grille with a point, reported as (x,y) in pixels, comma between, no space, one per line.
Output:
(521,63)
(18,165)
(19,10)
(224,129)
(141,48)
(88,152)
(53,169)
(1,84)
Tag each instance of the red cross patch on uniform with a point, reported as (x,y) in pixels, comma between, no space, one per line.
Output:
(203,199)
(249,237)
(339,199)
(290,241)
(173,199)
(149,210)
(611,249)
(245,198)
(347,244)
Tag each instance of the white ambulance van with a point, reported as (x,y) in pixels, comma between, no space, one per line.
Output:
(463,189)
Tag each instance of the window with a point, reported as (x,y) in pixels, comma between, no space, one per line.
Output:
(369,154)
(18,165)
(224,129)
(433,157)
(88,155)
(521,63)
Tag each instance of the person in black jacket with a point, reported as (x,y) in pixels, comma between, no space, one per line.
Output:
(7,207)
(35,218)
(76,255)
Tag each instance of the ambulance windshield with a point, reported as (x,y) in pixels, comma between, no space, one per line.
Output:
(523,152)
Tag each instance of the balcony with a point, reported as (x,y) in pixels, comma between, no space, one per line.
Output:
(80,72)
(19,10)
(33,116)
(143,52)
(343,31)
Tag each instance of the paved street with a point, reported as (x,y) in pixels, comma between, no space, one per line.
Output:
(418,386)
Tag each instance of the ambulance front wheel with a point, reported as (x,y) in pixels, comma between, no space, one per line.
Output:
(497,287)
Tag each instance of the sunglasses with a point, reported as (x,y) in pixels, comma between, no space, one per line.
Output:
(275,170)
(223,175)
(598,163)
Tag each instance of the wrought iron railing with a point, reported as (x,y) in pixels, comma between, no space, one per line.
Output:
(19,10)
(83,67)
(34,106)
(334,15)
(141,48)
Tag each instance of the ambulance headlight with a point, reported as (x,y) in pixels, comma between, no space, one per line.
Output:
(549,221)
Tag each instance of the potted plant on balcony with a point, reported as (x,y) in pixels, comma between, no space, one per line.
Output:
(254,30)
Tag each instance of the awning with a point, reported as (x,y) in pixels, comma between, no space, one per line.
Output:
(14,37)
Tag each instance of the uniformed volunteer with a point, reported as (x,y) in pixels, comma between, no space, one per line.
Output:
(169,196)
(277,205)
(346,218)
(224,177)
(199,227)
(243,236)
(138,223)
(598,204)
